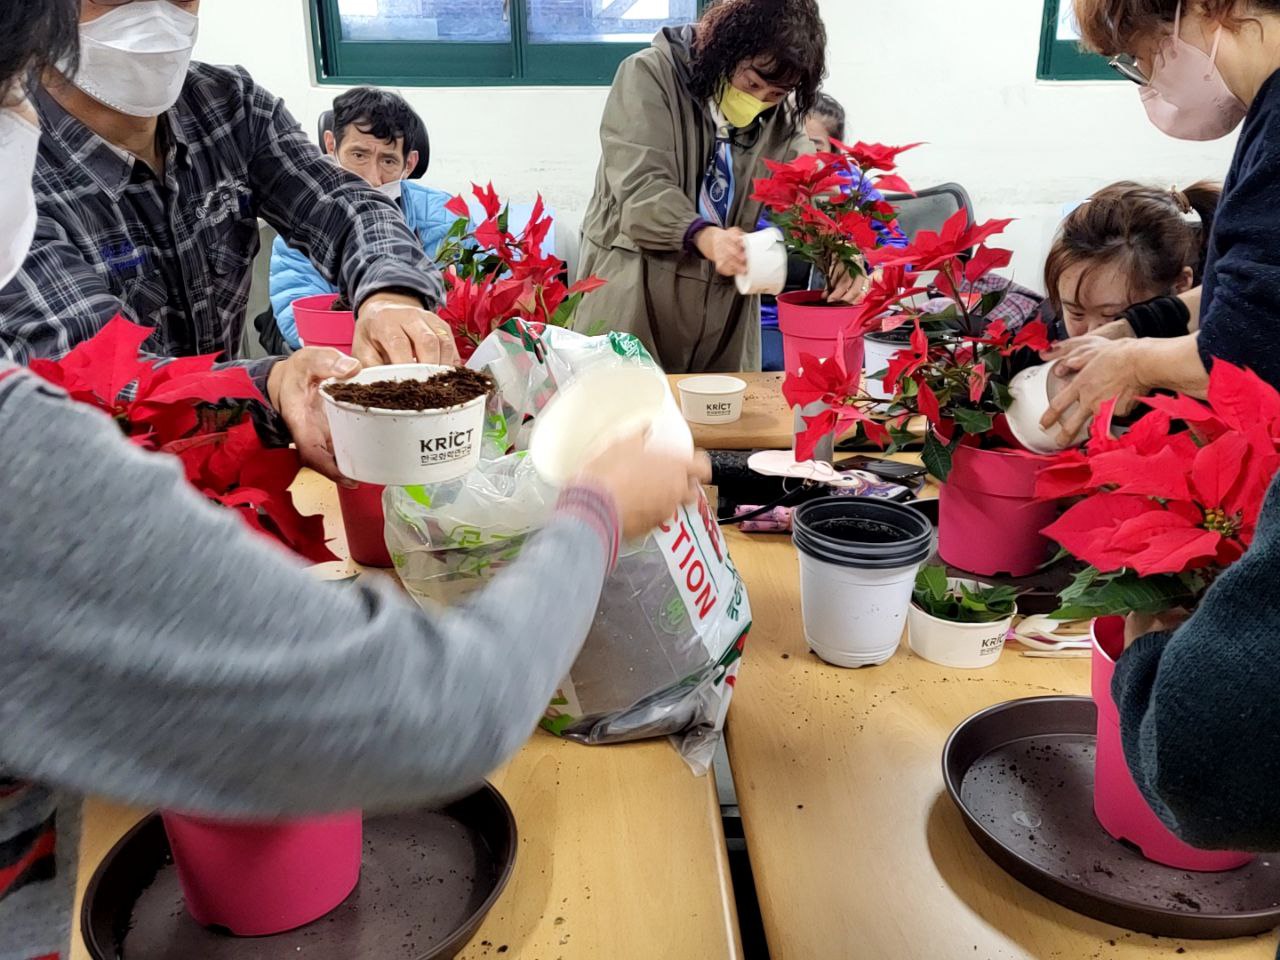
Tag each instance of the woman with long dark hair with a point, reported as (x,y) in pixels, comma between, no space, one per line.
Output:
(687,127)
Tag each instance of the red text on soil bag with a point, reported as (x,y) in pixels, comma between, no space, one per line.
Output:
(698,580)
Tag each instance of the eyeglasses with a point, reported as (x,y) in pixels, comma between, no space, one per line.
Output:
(1127,67)
(121,3)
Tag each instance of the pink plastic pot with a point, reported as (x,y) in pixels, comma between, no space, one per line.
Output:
(259,879)
(363,520)
(808,327)
(1117,801)
(319,326)
(989,519)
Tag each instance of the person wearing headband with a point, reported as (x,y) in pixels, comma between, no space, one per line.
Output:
(377,136)
(1202,69)
(151,176)
(687,126)
(157,652)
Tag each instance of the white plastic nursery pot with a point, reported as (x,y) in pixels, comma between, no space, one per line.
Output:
(1033,390)
(766,264)
(600,407)
(712,399)
(404,447)
(858,563)
(879,349)
(965,646)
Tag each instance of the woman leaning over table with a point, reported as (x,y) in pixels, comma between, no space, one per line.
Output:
(1203,66)
(687,128)
(157,652)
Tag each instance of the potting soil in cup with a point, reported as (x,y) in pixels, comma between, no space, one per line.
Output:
(858,563)
(449,389)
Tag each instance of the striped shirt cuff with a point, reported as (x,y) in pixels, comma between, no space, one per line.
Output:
(597,509)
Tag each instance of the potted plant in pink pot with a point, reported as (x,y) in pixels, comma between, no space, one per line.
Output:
(1163,510)
(251,878)
(829,209)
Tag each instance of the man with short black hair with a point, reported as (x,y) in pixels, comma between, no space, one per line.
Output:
(377,136)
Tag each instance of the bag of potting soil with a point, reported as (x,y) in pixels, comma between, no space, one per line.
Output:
(663,652)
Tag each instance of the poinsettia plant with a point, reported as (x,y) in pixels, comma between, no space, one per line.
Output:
(200,415)
(956,367)
(493,275)
(829,207)
(1170,503)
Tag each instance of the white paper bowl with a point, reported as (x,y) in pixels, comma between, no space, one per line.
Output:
(766,264)
(712,399)
(1033,391)
(964,646)
(404,447)
(600,407)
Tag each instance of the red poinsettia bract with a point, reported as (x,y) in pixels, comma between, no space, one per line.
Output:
(828,382)
(187,409)
(1181,491)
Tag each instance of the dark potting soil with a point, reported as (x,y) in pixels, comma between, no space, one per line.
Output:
(341,305)
(859,530)
(447,389)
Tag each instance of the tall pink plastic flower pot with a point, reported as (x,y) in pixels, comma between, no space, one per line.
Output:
(989,519)
(1117,802)
(321,326)
(809,327)
(259,879)
(363,520)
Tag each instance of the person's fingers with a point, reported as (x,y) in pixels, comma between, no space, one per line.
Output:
(1072,423)
(323,363)
(448,346)
(396,345)
(701,469)
(1064,401)
(426,346)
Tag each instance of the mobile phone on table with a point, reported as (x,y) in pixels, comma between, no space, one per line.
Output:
(905,473)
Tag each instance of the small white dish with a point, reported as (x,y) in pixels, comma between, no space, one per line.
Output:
(712,399)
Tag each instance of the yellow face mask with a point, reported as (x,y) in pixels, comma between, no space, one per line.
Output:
(740,108)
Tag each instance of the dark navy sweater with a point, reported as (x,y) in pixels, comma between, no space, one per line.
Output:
(1238,314)
(1199,710)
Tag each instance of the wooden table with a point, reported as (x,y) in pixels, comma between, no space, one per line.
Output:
(766,423)
(856,849)
(621,856)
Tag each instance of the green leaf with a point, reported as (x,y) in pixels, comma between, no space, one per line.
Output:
(973,421)
(932,582)
(1003,398)
(1107,595)
(992,300)
(936,457)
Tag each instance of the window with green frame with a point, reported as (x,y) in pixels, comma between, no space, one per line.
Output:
(485,42)
(1061,57)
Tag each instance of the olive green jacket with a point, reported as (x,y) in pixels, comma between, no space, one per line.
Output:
(657,141)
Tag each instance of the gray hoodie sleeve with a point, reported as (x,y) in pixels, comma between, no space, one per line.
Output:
(155,651)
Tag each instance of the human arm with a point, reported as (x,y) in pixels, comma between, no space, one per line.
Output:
(356,237)
(158,652)
(292,277)
(1198,714)
(639,154)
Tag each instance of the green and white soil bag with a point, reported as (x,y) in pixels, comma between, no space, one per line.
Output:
(663,653)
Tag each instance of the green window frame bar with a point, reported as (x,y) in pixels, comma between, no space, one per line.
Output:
(1065,59)
(426,63)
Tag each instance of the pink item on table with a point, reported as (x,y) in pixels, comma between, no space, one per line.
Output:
(1117,801)
(363,519)
(809,327)
(320,326)
(259,879)
(989,520)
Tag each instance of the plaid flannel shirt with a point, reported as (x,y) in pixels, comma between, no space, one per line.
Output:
(177,254)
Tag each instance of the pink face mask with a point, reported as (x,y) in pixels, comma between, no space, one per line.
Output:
(1186,96)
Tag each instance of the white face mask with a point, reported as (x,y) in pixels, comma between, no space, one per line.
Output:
(393,189)
(19,141)
(1187,98)
(134,58)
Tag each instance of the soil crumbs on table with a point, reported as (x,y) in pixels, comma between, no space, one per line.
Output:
(447,389)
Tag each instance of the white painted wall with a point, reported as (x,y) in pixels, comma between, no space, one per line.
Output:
(959,75)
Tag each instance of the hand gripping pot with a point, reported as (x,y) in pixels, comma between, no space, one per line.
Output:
(663,652)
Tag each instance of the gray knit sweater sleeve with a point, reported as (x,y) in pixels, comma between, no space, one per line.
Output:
(155,651)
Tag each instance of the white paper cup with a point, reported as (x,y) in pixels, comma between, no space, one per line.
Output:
(598,408)
(404,447)
(712,399)
(1033,391)
(965,646)
(766,263)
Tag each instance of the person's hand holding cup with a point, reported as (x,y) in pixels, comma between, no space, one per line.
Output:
(647,485)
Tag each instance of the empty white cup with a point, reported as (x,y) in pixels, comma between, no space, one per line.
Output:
(766,263)
(712,399)
(1033,390)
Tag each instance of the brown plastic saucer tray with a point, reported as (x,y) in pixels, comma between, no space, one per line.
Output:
(1021,774)
(427,882)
